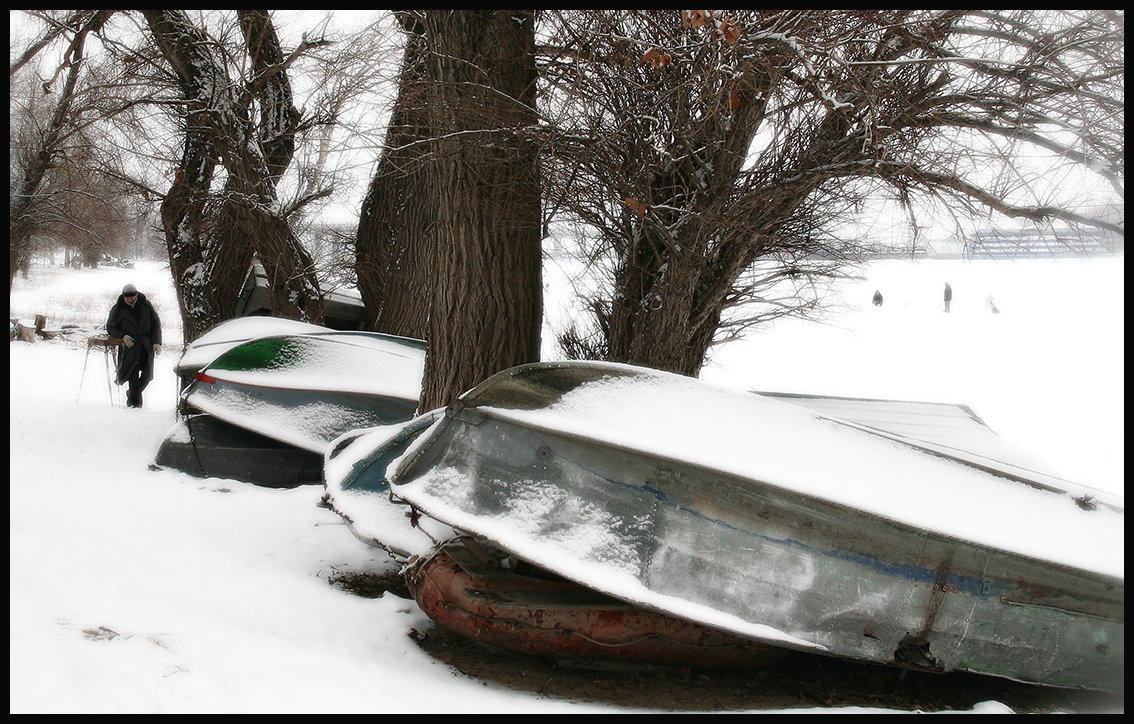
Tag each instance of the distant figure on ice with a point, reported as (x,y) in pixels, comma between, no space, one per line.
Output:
(948,295)
(877,298)
(134,321)
(992,305)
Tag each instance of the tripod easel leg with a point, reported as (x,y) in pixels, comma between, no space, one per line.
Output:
(83,376)
(109,371)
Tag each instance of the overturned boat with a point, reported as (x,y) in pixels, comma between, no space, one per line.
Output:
(262,397)
(469,587)
(306,390)
(355,470)
(767,520)
(342,308)
(234,332)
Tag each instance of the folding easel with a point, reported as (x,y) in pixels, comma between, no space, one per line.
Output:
(108,345)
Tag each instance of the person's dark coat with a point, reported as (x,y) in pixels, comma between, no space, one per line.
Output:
(140,322)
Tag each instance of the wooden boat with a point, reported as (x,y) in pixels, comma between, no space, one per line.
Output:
(769,521)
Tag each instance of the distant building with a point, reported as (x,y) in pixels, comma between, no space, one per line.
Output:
(1033,242)
(1029,240)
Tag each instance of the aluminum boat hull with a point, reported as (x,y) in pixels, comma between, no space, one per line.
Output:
(525,462)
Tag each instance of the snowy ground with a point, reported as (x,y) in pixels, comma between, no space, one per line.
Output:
(140,591)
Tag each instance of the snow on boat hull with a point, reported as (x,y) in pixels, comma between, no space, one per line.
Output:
(354,479)
(660,511)
(464,590)
(307,390)
(234,332)
(231,333)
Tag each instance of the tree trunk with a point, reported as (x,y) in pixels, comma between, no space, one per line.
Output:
(393,248)
(667,305)
(212,240)
(486,309)
(182,215)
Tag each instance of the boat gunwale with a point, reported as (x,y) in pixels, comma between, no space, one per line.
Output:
(315,390)
(183,370)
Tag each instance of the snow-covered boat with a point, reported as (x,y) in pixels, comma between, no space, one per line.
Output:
(308,389)
(235,332)
(770,521)
(262,397)
(475,590)
(355,472)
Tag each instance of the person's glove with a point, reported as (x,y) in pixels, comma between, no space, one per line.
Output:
(157,350)
(128,340)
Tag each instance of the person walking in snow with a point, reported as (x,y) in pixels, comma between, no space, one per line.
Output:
(948,295)
(877,298)
(133,320)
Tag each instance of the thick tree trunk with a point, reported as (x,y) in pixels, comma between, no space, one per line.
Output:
(666,308)
(661,334)
(278,117)
(393,248)
(486,310)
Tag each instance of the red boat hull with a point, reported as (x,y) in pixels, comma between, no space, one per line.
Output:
(547,616)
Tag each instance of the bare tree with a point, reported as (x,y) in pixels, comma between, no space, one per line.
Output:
(42,148)
(213,237)
(87,213)
(714,157)
(348,82)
